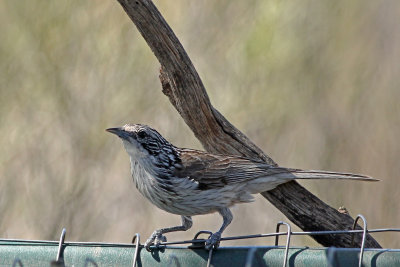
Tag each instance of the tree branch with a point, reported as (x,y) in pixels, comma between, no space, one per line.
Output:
(183,86)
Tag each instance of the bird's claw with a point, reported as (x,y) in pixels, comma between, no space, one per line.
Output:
(155,239)
(213,241)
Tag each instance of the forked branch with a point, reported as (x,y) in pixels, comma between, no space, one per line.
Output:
(182,84)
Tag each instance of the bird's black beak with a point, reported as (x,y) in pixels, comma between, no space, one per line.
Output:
(119,132)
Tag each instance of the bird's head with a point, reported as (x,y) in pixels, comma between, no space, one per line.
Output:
(140,140)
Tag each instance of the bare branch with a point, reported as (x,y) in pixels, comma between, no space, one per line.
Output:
(182,84)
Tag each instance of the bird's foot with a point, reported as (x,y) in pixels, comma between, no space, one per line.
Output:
(155,239)
(213,241)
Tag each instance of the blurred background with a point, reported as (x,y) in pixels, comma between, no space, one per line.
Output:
(315,84)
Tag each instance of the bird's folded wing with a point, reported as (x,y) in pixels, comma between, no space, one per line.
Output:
(220,170)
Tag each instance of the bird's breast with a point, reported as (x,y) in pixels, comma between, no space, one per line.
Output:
(160,191)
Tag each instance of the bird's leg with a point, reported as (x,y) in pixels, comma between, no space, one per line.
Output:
(213,241)
(157,235)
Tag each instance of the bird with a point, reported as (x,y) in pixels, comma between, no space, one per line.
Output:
(189,182)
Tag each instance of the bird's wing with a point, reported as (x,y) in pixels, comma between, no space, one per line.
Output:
(215,171)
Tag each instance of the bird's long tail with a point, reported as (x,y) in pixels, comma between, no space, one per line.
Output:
(288,173)
(280,175)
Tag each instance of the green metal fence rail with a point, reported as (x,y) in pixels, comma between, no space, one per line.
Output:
(43,253)
(15,252)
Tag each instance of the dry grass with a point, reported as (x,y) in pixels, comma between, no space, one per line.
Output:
(316,84)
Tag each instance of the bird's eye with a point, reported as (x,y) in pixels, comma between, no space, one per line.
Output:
(142,134)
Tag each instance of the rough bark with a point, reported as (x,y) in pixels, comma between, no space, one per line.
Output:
(183,86)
